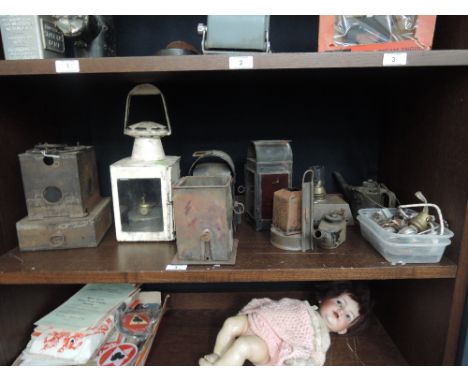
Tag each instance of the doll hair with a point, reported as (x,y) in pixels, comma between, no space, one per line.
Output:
(358,291)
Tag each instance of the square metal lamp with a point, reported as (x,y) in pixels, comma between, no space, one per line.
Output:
(268,169)
(142,183)
(60,180)
(203,209)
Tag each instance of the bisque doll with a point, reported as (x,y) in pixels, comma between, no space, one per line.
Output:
(289,331)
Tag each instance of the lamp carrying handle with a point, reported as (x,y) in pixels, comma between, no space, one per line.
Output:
(146,128)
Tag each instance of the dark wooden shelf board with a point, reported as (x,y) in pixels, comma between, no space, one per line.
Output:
(257,261)
(186,335)
(262,61)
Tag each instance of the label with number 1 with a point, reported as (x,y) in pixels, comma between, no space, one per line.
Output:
(67,66)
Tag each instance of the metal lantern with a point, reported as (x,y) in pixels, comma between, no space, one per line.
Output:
(141,184)
(60,180)
(218,163)
(268,169)
(325,203)
(203,209)
(89,35)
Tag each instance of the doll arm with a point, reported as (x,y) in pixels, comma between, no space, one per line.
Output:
(255,304)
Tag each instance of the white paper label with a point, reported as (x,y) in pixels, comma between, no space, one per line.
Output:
(241,62)
(176,267)
(390,59)
(67,66)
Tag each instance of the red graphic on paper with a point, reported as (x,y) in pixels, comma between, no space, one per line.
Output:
(66,340)
(107,346)
(136,322)
(119,355)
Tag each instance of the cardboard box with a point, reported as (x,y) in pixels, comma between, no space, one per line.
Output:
(421,40)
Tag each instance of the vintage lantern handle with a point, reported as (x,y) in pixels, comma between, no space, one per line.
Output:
(146,128)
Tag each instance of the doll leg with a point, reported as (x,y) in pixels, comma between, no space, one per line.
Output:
(251,348)
(232,328)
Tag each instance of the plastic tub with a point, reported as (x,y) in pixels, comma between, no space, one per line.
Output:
(401,249)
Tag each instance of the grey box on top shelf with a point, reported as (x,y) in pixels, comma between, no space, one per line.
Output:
(31,37)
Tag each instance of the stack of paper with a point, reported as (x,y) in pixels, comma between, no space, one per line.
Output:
(72,333)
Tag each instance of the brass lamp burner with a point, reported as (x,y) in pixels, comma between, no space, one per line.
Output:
(144,207)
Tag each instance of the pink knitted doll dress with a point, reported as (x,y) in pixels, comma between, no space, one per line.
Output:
(292,330)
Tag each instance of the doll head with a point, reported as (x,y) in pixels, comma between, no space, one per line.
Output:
(339,313)
(345,306)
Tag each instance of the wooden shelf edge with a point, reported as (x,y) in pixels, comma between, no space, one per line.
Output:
(256,261)
(262,61)
(220,276)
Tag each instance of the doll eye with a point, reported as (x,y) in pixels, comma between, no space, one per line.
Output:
(349,317)
(339,303)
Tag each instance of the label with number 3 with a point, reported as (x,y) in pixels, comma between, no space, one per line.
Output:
(394,59)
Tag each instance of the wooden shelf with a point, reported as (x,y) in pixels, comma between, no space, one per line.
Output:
(346,122)
(262,61)
(186,335)
(257,261)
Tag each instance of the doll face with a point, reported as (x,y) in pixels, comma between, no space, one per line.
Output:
(339,312)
